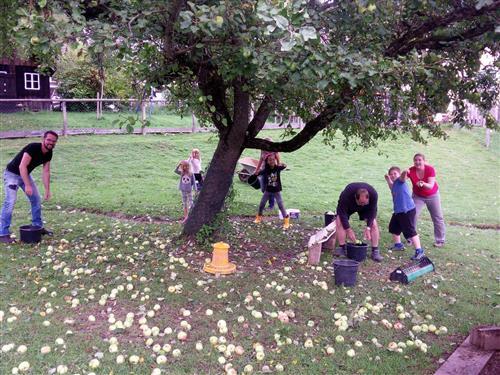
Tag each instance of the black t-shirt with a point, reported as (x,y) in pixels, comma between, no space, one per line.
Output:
(347,204)
(272,180)
(37,158)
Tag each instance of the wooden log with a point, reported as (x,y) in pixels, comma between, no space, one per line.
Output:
(486,337)
(466,359)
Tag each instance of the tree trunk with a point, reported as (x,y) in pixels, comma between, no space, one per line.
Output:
(216,184)
(221,172)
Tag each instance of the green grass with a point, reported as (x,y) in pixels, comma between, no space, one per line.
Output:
(46,120)
(133,174)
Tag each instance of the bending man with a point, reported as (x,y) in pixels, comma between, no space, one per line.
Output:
(362,198)
(17,175)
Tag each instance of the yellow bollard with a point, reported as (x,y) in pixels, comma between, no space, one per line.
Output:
(220,260)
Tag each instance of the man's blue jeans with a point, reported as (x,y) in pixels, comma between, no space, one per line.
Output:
(12,182)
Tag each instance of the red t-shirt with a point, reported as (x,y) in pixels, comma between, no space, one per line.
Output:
(421,191)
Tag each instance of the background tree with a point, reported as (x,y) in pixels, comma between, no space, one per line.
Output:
(78,76)
(367,70)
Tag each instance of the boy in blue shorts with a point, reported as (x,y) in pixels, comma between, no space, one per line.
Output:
(403,218)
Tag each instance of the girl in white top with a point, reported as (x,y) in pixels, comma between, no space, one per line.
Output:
(195,163)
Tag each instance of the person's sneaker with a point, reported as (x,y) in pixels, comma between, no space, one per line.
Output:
(7,239)
(397,247)
(376,256)
(419,254)
(438,244)
(286,223)
(258,219)
(340,252)
(46,232)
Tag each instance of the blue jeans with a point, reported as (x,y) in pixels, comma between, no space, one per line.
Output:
(11,182)
(263,189)
(267,196)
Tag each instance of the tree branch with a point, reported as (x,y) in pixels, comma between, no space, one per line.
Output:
(310,129)
(172,16)
(260,117)
(323,6)
(241,106)
(402,44)
(437,42)
(212,86)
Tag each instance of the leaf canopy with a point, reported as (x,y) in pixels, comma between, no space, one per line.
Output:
(369,69)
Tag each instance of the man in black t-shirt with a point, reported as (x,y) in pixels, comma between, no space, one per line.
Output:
(362,198)
(17,175)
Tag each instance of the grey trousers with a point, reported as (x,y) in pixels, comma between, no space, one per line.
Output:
(279,200)
(433,204)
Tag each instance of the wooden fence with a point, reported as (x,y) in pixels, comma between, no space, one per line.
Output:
(474,117)
(143,106)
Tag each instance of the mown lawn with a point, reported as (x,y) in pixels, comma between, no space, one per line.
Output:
(45,120)
(69,292)
(134,174)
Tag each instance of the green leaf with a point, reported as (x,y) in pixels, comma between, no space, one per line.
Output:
(271,28)
(281,22)
(22,12)
(482,3)
(321,85)
(185,24)
(287,45)
(307,33)
(350,78)
(186,19)
(131,120)
(42,3)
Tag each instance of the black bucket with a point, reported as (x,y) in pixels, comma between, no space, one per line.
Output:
(30,233)
(357,252)
(345,272)
(329,217)
(254,182)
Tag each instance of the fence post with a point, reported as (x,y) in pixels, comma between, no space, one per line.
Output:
(97,115)
(193,123)
(143,117)
(488,137)
(65,118)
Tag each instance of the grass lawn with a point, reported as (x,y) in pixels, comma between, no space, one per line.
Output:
(134,174)
(69,292)
(46,120)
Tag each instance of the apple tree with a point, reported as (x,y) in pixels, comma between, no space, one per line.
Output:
(363,70)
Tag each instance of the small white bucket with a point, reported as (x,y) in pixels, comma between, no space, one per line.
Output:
(294,213)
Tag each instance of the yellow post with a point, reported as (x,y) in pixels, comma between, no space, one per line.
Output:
(220,260)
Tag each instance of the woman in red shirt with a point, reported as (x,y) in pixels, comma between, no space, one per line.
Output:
(426,192)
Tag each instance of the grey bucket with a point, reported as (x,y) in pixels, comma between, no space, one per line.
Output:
(345,272)
(329,217)
(357,252)
(30,233)
(254,181)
